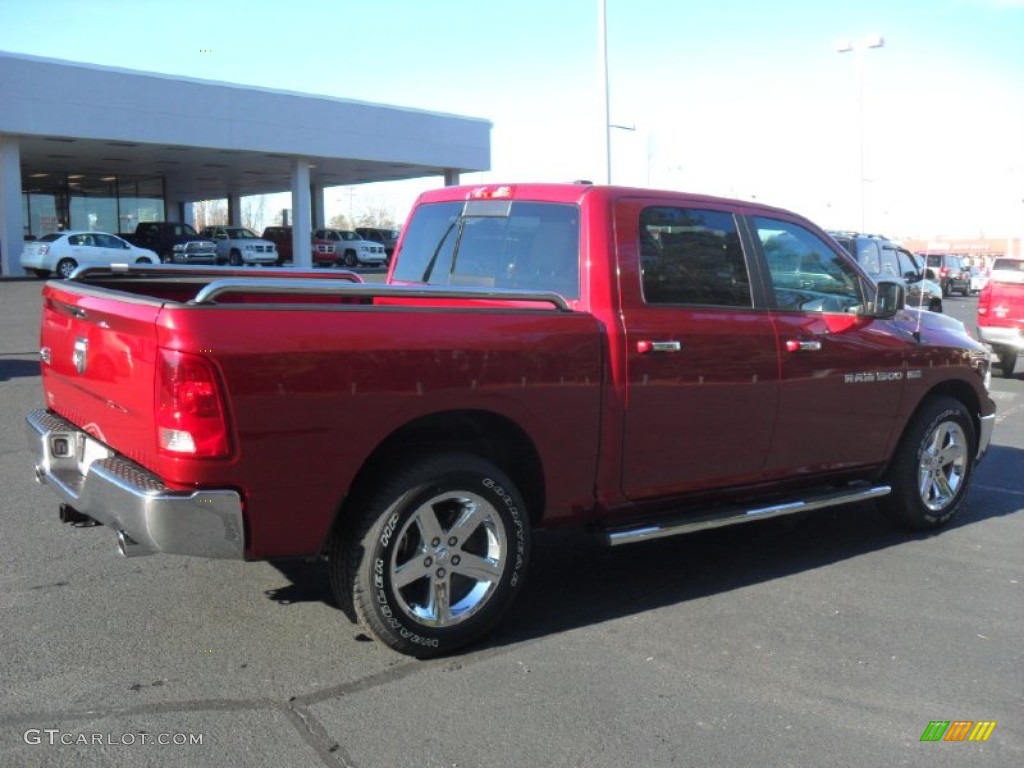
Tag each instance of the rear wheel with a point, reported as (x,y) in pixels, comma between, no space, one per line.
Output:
(434,556)
(143,260)
(65,267)
(932,467)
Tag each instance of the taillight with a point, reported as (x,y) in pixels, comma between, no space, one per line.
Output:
(190,416)
(492,193)
(984,300)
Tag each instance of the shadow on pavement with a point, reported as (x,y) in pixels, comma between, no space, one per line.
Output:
(575,580)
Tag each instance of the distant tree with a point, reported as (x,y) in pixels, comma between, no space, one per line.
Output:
(209,213)
(339,221)
(254,212)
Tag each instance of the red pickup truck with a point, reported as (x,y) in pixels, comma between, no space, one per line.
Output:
(1001,312)
(642,363)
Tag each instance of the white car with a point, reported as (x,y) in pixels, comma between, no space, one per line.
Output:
(351,250)
(237,246)
(978,279)
(64,252)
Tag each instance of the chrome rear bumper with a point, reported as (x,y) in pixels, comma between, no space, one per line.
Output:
(148,516)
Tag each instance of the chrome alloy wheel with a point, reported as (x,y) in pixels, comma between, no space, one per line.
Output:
(942,466)
(450,556)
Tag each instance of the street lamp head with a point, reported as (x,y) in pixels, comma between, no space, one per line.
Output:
(871,41)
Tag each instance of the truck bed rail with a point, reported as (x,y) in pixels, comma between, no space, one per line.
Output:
(217,288)
(189,270)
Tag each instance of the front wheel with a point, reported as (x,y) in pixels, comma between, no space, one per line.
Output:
(235,259)
(434,556)
(932,466)
(350,260)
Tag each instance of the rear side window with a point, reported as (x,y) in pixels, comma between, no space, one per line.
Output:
(806,274)
(493,244)
(692,256)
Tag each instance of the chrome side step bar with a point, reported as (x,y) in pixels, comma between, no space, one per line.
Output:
(630,534)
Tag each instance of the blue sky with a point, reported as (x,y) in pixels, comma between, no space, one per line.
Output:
(748,99)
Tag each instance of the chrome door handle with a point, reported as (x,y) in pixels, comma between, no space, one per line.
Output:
(643,347)
(799,345)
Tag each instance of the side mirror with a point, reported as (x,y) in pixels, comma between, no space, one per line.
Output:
(890,298)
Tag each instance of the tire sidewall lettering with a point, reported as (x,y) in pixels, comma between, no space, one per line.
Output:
(384,601)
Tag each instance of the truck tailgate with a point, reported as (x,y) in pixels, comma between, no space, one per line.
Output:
(98,353)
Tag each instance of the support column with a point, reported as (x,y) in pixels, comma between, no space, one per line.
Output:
(451,177)
(234,210)
(302,245)
(12,228)
(316,195)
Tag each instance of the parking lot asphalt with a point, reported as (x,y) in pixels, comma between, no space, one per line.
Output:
(828,640)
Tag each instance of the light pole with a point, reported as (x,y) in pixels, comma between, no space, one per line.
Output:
(602,44)
(606,118)
(857,47)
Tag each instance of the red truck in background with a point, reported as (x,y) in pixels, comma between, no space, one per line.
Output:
(643,363)
(1001,312)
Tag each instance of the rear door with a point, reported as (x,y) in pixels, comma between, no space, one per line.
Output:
(842,374)
(702,368)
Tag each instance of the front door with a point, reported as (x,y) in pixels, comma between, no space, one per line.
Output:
(842,373)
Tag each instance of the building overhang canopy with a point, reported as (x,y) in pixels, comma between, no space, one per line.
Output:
(210,139)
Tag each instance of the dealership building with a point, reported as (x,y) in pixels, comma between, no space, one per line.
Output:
(99,148)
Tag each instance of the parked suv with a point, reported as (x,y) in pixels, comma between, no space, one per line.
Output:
(351,250)
(386,237)
(237,246)
(952,273)
(882,258)
(281,237)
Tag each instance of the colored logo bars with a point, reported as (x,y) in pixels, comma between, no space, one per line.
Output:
(958,730)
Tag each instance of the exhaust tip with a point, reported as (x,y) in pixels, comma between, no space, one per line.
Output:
(129,547)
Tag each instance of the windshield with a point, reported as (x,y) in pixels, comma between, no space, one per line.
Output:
(493,244)
(239,233)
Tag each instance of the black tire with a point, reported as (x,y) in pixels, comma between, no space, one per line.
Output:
(935,305)
(235,259)
(455,581)
(350,259)
(1007,362)
(65,267)
(932,467)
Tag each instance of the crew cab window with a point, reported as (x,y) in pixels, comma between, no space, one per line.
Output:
(493,244)
(806,274)
(690,256)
